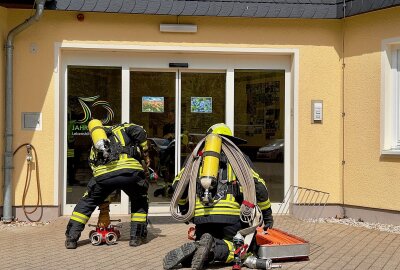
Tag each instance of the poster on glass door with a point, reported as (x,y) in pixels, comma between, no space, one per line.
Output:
(153,104)
(201,104)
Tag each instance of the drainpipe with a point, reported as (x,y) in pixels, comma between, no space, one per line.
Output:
(8,153)
(343,107)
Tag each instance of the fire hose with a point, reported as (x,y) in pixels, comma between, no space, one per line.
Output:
(29,168)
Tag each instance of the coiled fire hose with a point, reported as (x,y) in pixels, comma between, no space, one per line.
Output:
(249,211)
(30,148)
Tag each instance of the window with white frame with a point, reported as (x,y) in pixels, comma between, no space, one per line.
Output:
(396,101)
(390,103)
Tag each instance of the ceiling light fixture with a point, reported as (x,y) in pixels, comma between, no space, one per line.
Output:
(178,28)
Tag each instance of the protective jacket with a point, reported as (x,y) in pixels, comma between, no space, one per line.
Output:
(227,209)
(130,142)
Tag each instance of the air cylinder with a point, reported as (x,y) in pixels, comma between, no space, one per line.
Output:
(97,133)
(211,155)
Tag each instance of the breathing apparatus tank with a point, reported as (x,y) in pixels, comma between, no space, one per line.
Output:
(210,166)
(99,137)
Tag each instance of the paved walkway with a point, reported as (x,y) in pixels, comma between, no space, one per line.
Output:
(333,246)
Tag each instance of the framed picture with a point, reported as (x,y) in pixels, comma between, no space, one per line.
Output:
(201,104)
(153,104)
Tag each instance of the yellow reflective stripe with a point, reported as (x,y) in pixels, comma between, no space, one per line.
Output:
(118,132)
(80,215)
(264,205)
(182,201)
(139,217)
(79,220)
(257,176)
(117,129)
(231,251)
(229,200)
(220,204)
(129,163)
(219,211)
(262,181)
(178,177)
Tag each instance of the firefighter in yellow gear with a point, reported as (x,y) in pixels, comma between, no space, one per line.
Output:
(217,223)
(119,160)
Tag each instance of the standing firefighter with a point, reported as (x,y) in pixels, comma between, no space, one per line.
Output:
(218,199)
(116,160)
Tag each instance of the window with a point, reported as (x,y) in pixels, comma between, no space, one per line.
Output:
(390,103)
(92,92)
(260,120)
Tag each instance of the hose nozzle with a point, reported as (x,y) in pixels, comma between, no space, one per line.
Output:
(254,263)
(29,153)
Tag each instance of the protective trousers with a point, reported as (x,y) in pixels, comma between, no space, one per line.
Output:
(134,184)
(223,234)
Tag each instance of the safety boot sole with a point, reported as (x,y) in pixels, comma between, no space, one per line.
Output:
(137,241)
(200,257)
(178,255)
(71,244)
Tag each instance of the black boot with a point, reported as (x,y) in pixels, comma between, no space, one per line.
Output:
(72,234)
(221,250)
(138,234)
(71,243)
(135,241)
(204,252)
(183,255)
(159,191)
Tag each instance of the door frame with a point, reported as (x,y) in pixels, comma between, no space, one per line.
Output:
(66,52)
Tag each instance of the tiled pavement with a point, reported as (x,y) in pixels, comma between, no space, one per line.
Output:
(333,246)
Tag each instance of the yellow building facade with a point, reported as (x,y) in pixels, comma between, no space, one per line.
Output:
(337,61)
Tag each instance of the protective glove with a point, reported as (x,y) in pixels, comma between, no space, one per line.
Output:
(146,158)
(268,222)
(146,170)
(147,174)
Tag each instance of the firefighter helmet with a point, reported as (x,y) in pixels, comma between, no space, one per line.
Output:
(224,130)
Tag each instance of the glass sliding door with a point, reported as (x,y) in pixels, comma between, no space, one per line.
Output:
(202,105)
(153,102)
(259,119)
(92,92)
(152,105)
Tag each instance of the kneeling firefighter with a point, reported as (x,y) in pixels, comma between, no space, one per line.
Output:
(119,160)
(220,192)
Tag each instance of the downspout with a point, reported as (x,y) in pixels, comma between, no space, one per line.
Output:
(343,107)
(8,153)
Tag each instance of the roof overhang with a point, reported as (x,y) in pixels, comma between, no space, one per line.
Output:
(306,9)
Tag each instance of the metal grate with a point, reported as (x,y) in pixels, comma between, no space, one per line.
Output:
(299,207)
